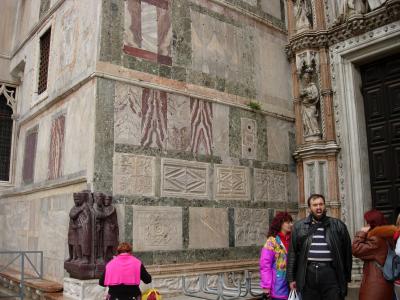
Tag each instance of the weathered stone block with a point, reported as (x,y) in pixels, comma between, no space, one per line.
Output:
(249,138)
(251,225)
(157,228)
(178,124)
(133,174)
(270,185)
(83,289)
(127,114)
(221,129)
(181,178)
(231,183)
(208,227)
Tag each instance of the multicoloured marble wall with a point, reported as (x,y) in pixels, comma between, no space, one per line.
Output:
(199,178)
(196,175)
(238,51)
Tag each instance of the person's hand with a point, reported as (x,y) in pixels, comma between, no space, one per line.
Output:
(292,285)
(267,291)
(365,229)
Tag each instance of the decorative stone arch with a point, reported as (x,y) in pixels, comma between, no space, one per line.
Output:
(8,92)
(353,167)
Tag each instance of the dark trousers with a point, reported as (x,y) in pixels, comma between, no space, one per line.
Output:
(321,283)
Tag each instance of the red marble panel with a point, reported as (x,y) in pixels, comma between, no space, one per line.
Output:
(201,126)
(56,147)
(154,118)
(28,169)
(164,32)
(159,3)
(134,9)
(147,55)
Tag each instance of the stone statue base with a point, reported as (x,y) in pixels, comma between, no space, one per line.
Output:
(84,271)
(83,289)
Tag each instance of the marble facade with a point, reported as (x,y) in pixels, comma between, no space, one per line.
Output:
(147,100)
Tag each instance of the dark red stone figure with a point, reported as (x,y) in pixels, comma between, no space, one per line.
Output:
(92,235)
(111,230)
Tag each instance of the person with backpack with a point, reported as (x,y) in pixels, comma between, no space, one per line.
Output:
(371,244)
(397,250)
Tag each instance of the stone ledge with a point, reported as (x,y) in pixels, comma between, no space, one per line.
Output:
(36,289)
(42,285)
(206,267)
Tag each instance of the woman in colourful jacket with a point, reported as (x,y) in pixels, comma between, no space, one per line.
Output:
(123,274)
(274,257)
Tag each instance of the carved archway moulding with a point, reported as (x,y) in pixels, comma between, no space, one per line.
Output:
(9,93)
(355,25)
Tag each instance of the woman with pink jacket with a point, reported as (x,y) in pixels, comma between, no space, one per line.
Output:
(274,257)
(123,274)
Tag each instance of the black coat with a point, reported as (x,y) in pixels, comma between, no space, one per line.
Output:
(338,240)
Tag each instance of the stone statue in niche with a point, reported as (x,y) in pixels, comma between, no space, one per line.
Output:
(309,96)
(92,235)
(303,15)
(348,8)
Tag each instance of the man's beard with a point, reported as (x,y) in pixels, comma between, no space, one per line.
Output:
(318,218)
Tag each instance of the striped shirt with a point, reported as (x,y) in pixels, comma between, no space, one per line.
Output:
(319,250)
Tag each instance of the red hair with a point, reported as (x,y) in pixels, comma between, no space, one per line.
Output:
(276,224)
(124,248)
(375,218)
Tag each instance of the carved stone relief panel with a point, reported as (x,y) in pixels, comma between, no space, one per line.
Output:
(208,227)
(270,185)
(249,138)
(231,183)
(157,228)
(127,114)
(178,122)
(251,225)
(180,178)
(133,174)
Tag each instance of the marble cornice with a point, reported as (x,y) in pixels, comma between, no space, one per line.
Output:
(355,25)
(316,149)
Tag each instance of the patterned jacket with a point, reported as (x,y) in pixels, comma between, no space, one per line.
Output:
(273,261)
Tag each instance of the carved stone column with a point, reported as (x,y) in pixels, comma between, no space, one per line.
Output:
(316,151)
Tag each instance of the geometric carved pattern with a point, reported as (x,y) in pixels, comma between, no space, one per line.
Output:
(184,179)
(133,175)
(270,185)
(231,182)
(56,147)
(201,126)
(251,226)
(249,138)
(154,118)
(157,228)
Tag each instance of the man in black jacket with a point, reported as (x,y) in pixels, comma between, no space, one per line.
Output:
(319,259)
